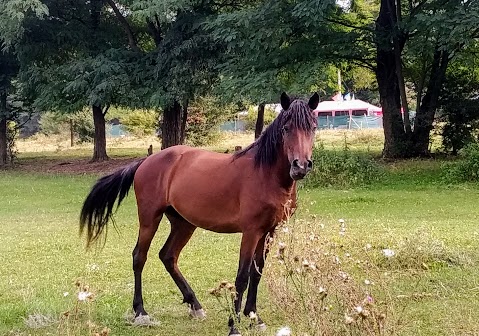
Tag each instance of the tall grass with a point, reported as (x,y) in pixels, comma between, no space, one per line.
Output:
(342,169)
(466,169)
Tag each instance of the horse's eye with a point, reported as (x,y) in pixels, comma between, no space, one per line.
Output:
(285,128)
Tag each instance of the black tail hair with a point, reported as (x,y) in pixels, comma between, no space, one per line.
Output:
(97,209)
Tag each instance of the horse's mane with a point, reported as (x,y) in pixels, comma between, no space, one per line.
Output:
(268,144)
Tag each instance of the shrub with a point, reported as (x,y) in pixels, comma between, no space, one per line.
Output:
(466,169)
(204,117)
(140,122)
(250,118)
(341,169)
(52,123)
(56,123)
(83,125)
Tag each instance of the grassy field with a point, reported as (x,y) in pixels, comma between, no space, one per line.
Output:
(433,279)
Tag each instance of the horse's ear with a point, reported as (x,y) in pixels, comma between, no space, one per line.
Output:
(313,101)
(285,101)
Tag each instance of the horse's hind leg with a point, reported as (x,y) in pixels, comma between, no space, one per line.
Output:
(181,232)
(148,225)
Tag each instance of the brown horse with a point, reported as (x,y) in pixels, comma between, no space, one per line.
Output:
(245,192)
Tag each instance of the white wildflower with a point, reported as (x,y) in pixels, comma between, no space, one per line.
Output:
(358,309)
(368,246)
(83,295)
(65,294)
(93,267)
(341,221)
(388,253)
(367,282)
(284,331)
(348,319)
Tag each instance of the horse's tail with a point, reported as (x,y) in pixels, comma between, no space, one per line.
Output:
(98,206)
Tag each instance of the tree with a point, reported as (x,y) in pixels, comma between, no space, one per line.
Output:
(430,34)
(413,43)
(269,50)
(7,71)
(12,15)
(185,58)
(77,59)
(459,105)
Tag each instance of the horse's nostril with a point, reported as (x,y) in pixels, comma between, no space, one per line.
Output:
(295,163)
(310,164)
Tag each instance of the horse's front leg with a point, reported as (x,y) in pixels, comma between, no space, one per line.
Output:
(256,272)
(249,242)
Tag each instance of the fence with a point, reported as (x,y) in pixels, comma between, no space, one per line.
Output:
(349,122)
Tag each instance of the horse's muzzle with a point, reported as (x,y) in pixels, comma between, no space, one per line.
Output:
(299,169)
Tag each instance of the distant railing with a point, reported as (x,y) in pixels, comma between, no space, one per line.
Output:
(349,122)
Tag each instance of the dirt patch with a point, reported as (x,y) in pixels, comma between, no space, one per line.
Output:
(72,166)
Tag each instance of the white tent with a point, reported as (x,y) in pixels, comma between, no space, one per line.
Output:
(347,107)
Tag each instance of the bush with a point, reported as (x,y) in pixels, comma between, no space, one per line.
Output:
(341,169)
(466,169)
(250,118)
(52,123)
(204,117)
(140,122)
(56,123)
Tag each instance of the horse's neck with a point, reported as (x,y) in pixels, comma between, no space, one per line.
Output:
(278,173)
(281,170)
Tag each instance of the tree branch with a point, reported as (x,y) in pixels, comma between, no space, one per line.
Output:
(126,26)
(155,31)
(106,109)
(349,25)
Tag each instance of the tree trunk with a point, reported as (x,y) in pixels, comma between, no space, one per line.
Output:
(99,147)
(399,40)
(71,133)
(184,118)
(171,126)
(3,142)
(395,140)
(3,129)
(259,121)
(426,111)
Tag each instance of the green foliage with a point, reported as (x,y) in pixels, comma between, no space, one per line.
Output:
(250,118)
(466,169)
(341,169)
(52,123)
(140,122)
(56,123)
(204,117)
(459,106)
(12,16)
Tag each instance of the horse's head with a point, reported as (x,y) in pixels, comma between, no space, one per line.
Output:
(298,129)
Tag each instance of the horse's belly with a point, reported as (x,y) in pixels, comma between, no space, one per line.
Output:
(210,208)
(210,217)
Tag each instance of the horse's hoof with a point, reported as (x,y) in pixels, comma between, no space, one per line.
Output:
(234,332)
(197,314)
(144,321)
(261,326)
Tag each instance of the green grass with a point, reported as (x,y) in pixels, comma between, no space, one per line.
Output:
(42,255)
